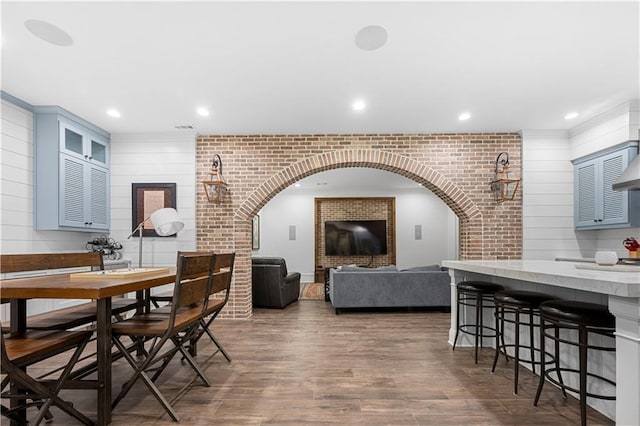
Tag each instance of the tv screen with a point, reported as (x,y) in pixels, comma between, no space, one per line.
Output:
(355,237)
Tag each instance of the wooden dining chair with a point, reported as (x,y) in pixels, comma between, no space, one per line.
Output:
(220,289)
(24,349)
(189,302)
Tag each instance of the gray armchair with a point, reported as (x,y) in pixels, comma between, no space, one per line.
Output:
(272,286)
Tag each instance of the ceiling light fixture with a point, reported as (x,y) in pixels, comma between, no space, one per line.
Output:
(371,37)
(48,32)
(203,112)
(571,116)
(358,105)
(464,116)
(113,113)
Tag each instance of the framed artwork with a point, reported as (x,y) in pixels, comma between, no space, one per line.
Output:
(255,233)
(146,198)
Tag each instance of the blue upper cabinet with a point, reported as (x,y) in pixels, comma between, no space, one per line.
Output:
(596,205)
(72,190)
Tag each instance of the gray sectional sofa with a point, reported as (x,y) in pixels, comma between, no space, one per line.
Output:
(387,287)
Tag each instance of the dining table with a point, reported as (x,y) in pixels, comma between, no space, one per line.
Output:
(99,286)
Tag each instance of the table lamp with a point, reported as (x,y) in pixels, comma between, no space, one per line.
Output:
(165,221)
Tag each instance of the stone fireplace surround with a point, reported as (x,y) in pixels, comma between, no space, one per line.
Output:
(456,167)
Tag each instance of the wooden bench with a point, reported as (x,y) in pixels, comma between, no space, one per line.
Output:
(73,316)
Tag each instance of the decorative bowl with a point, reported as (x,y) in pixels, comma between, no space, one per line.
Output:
(606,258)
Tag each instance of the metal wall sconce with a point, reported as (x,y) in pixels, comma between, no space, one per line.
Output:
(506,183)
(215,187)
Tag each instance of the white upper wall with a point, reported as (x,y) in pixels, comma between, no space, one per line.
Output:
(153,158)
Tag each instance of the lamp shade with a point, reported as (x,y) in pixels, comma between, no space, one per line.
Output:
(166,222)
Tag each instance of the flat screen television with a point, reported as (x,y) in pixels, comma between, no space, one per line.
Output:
(355,237)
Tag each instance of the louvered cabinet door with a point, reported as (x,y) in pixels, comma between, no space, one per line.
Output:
(84,195)
(596,204)
(615,205)
(586,205)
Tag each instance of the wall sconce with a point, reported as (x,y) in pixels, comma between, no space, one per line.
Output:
(506,183)
(215,187)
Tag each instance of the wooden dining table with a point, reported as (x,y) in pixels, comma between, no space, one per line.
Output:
(73,286)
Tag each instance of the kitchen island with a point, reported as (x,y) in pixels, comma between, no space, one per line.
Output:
(619,288)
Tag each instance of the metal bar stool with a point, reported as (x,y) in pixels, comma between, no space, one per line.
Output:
(509,306)
(476,294)
(585,318)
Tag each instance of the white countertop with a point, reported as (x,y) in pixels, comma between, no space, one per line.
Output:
(557,273)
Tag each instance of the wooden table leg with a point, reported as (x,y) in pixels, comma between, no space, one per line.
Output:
(18,323)
(103,332)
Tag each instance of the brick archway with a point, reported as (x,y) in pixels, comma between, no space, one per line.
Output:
(470,217)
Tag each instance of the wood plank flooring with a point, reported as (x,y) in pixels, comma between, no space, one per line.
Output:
(306,365)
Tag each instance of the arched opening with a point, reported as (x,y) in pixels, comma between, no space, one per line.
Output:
(470,217)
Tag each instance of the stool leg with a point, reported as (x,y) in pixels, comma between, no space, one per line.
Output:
(478,322)
(557,360)
(543,363)
(516,362)
(499,331)
(458,308)
(532,352)
(582,339)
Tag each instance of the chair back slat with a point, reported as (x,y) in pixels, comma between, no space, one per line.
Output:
(193,279)
(221,285)
(41,261)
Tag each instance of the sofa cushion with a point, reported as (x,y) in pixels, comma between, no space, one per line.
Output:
(353,268)
(423,268)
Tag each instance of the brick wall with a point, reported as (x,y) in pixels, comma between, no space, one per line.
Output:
(370,208)
(456,167)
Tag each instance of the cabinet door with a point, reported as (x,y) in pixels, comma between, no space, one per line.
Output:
(98,197)
(72,140)
(84,194)
(72,192)
(586,204)
(615,204)
(82,144)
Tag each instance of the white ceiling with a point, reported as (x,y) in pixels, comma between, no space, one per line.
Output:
(294,67)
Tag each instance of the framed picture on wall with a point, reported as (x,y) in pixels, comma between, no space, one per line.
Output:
(146,198)
(255,233)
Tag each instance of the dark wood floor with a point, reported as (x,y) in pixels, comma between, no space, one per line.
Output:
(306,365)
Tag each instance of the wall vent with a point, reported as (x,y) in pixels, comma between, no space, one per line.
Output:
(184,127)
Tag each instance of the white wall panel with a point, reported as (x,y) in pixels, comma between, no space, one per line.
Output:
(146,158)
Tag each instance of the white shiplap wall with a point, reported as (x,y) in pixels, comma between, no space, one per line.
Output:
(145,158)
(17,234)
(547,190)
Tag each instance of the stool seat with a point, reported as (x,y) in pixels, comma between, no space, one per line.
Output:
(479,287)
(525,299)
(584,313)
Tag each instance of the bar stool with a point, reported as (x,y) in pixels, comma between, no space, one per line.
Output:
(585,318)
(510,304)
(475,293)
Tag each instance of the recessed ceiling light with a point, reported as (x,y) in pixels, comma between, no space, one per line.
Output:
(297,185)
(203,112)
(113,113)
(464,116)
(358,105)
(48,32)
(371,37)
(571,116)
